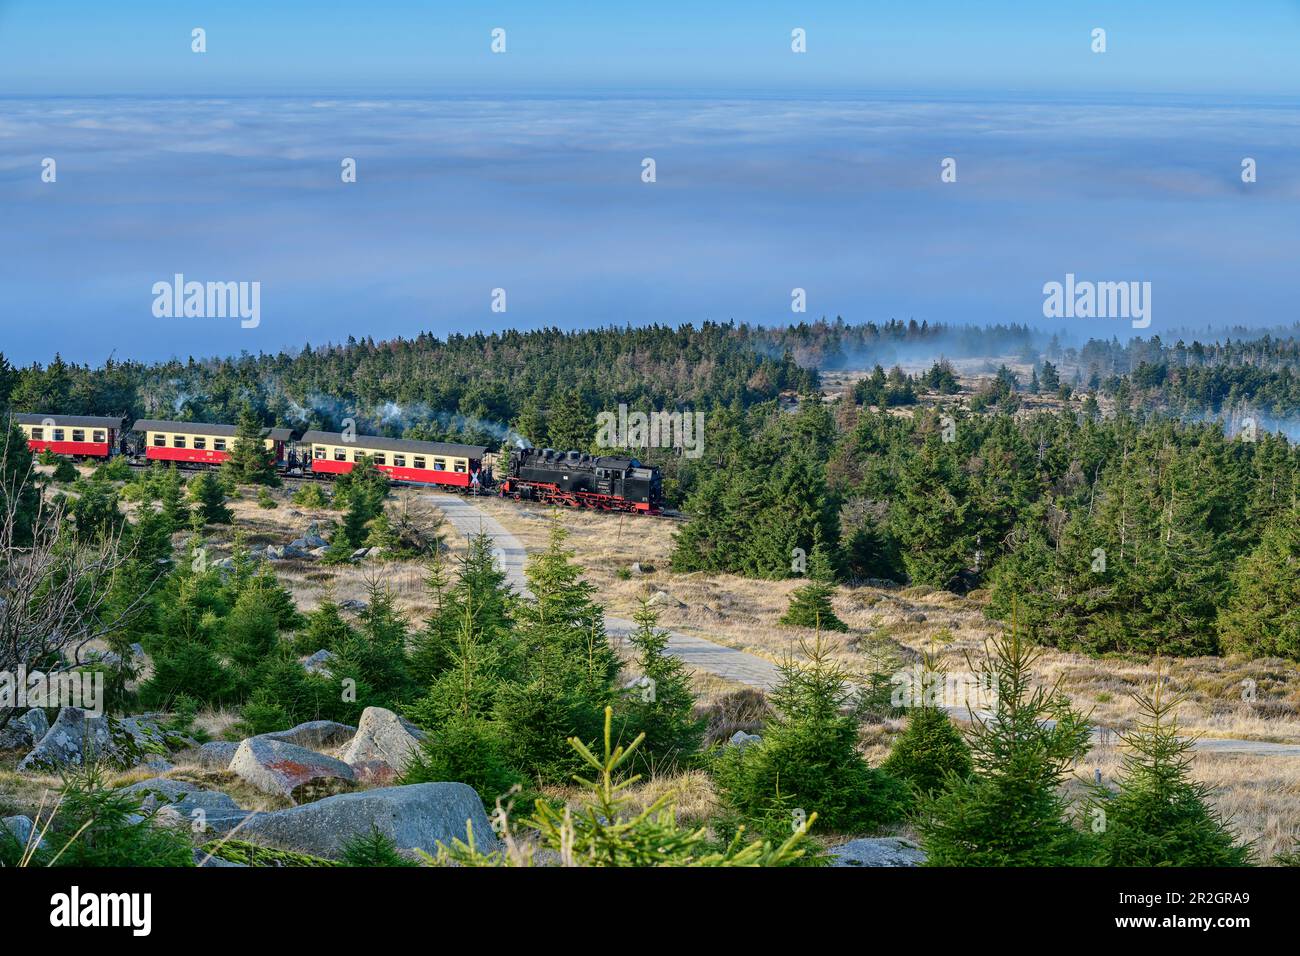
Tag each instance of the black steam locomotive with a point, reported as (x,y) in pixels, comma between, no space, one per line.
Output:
(579,480)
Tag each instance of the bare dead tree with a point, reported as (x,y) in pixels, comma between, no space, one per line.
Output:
(54,589)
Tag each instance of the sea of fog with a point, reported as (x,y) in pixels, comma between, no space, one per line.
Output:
(546,199)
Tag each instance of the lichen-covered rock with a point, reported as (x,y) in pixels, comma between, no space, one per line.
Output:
(25,730)
(742,739)
(187,804)
(288,770)
(318,663)
(215,755)
(382,747)
(149,734)
(419,816)
(315,734)
(877,851)
(20,828)
(75,737)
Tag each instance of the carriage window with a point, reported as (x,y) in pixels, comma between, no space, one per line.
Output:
(318,451)
(419,462)
(439,464)
(38,434)
(78,434)
(218,444)
(178,441)
(380,459)
(399,461)
(100,436)
(460,466)
(200,443)
(340,454)
(160,441)
(58,434)
(357,456)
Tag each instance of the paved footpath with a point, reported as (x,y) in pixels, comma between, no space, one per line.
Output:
(728,662)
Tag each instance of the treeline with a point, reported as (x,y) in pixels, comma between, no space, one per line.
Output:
(1126,534)
(1235,376)
(548,384)
(837,344)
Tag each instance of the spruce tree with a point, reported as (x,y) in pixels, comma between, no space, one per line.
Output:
(567,669)
(348,537)
(381,534)
(374,653)
(531,423)
(95,513)
(210,499)
(461,741)
(659,704)
(324,628)
(570,423)
(250,461)
(808,759)
(482,592)
(365,486)
(930,750)
(1262,617)
(810,605)
(1160,816)
(17,489)
(171,498)
(608,831)
(251,635)
(65,472)
(1009,812)
(933,515)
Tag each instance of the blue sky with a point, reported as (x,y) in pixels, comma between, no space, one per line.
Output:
(77,46)
(522,171)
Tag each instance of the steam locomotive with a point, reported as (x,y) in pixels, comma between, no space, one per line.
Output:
(579,480)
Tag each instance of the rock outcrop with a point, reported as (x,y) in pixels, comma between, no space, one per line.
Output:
(382,747)
(419,816)
(288,770)
(315,734)
(24,731)
(75,737)
(187,804)
(877,851)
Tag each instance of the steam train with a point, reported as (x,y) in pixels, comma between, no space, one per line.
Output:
(570,478)
(579,480)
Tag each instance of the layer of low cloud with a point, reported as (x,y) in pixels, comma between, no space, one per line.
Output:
(543,197)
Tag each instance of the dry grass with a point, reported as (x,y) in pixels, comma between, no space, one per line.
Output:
(1258,796)
(216,722)
(309,581)
(25,792)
